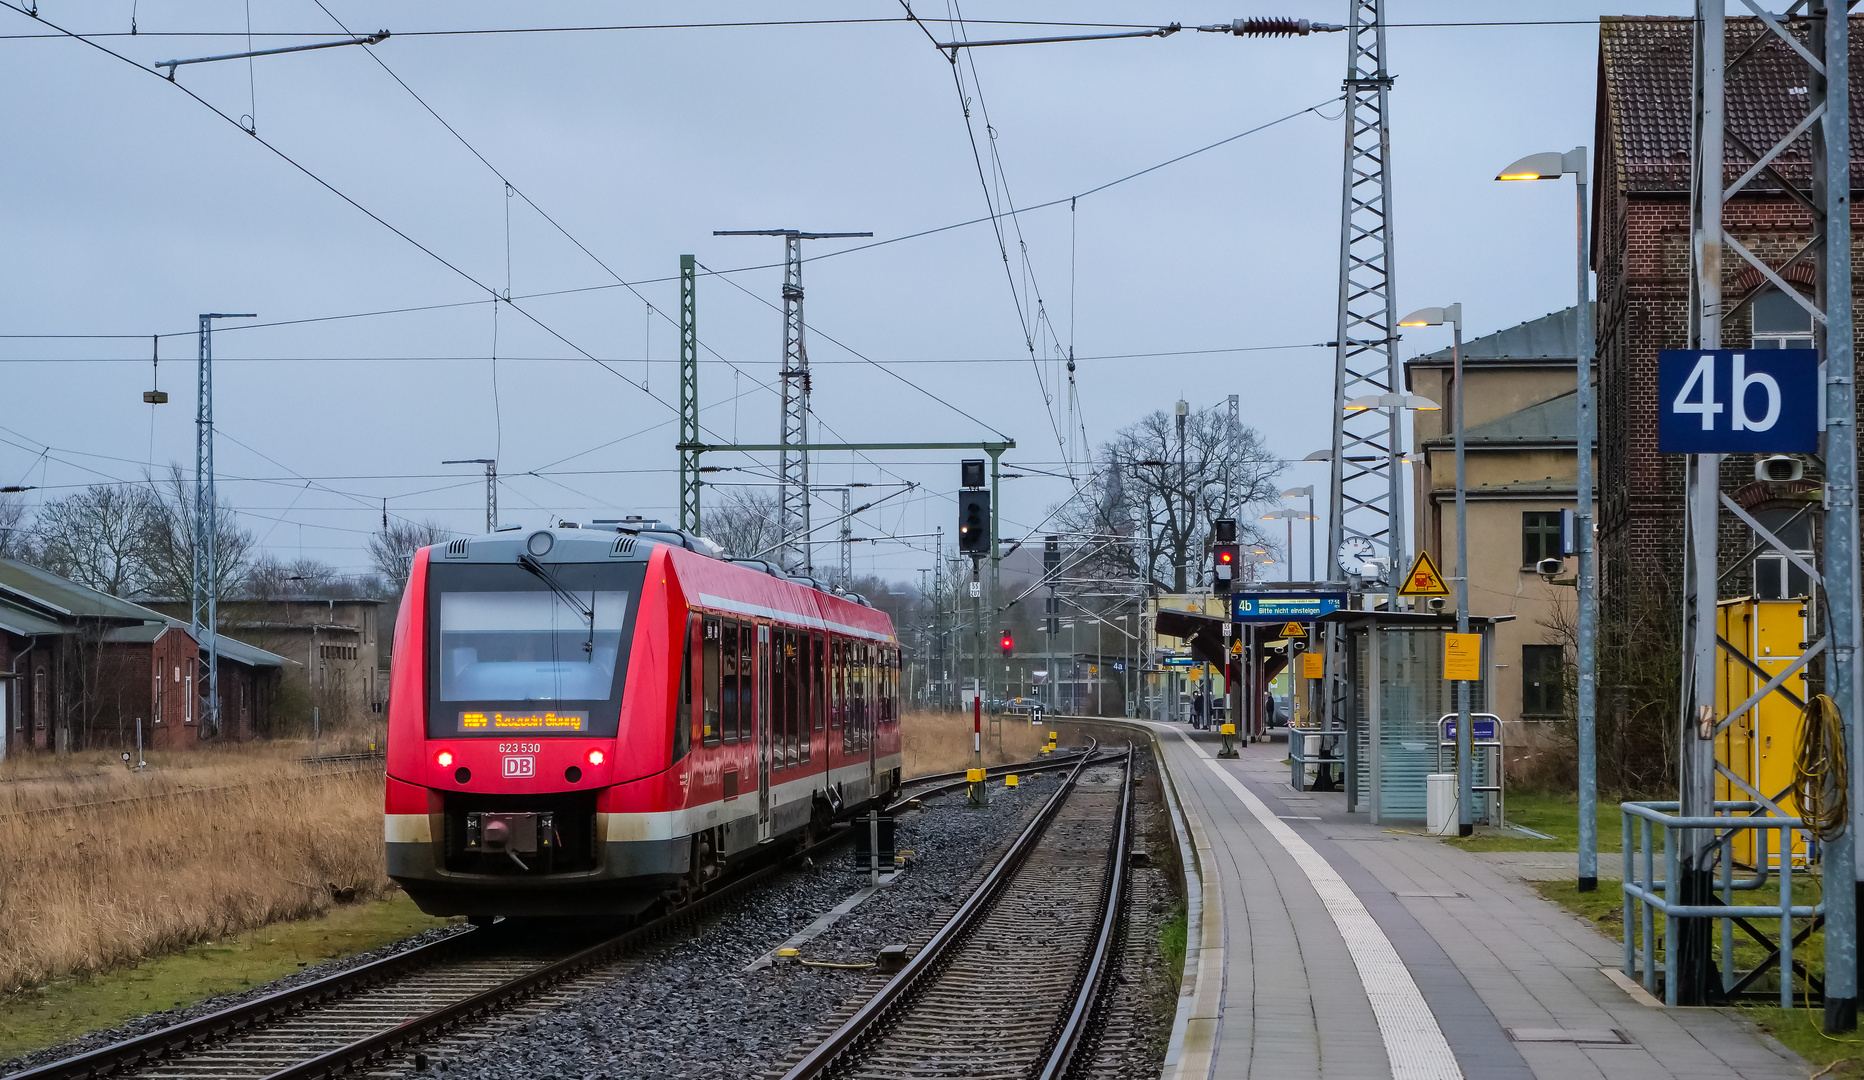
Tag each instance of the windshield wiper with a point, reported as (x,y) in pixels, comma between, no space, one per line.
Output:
(543,573)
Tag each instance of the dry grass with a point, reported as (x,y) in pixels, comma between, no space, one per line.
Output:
(100,866)
(941,742)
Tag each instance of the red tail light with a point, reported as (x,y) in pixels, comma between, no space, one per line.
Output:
(595,757)
(444,758)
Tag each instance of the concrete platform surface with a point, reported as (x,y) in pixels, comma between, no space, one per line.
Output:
(1349,951)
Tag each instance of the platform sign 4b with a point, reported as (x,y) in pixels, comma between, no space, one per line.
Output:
(1727,401)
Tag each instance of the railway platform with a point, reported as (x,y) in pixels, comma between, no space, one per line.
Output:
(1323,946)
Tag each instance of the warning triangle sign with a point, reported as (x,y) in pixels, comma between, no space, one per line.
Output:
(1423,580)
(1293,629)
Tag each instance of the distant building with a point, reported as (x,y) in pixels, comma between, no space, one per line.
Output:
(1520,437)
(80,668)
(336,658)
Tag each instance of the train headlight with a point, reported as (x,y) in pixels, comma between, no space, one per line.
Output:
(595,757)
(444,758)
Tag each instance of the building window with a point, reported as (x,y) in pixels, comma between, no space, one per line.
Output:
(337,652)
(1780,322)
(1540,536)
(1774,577)
(1542,678)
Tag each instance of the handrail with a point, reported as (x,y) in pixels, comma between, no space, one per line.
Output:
(1647,894)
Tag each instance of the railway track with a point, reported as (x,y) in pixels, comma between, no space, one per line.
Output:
(376,1014)
(1025,932)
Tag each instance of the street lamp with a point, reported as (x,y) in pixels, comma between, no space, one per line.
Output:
(1437,316)
(1552,166)
(1292,516)
(1295,493)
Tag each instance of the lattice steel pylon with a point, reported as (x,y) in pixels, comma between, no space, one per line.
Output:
(1365,498)
(796,554)
(204,586)
(689,395)
(1827,124)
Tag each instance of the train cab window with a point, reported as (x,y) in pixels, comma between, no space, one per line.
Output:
(709,680)
(683,716)
(728,682)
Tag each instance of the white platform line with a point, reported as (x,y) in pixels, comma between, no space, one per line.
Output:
(1414,1043)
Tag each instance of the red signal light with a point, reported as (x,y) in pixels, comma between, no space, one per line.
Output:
(1226,557)
(595,756)
(444,758)
(1008,643)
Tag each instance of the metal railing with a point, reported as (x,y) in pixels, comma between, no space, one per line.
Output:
(1645,894)
(1298,761)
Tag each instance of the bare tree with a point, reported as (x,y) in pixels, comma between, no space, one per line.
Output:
(99,537)
(171,540)
(392,550)
(271,578)
(15,530)
(1158,485)
(745,521)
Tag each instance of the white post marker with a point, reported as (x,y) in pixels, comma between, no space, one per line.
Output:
(1414,1043)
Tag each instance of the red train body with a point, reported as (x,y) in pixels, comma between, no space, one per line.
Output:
(587,720)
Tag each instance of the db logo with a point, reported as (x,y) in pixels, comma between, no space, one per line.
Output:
(520,767)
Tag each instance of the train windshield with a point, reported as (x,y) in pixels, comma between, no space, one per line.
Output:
(518,653)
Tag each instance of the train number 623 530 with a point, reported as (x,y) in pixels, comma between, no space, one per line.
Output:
(520,748)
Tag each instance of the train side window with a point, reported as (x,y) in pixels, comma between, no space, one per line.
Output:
(857,697)
(683,716)
(728,679)
(709,682)
(747,688)
(818,682)
(780,691)
(787,694)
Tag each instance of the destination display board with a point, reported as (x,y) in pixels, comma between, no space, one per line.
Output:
(1283,607)
(524,721)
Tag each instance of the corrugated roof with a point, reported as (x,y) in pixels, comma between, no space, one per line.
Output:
(62,596)
(1644,75)
(1550,337)
(18,620)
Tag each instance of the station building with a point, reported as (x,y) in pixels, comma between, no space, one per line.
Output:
(81,669)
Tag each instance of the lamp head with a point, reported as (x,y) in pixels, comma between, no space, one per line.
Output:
(1548,166)
(1319,455)
(1435,316)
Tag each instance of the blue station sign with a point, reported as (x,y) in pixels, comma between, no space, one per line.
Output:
(1746,401)
(1284,607)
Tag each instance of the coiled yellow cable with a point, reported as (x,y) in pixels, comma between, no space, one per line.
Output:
(1822,781)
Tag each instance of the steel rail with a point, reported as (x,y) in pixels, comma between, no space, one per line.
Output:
(927,962)
(190,1034)
(1021,768)
(1068,1042)
(152,1047)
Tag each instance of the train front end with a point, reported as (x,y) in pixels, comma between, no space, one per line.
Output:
(527,710)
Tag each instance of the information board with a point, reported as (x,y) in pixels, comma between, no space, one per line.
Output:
(1284,607)
(1462,657)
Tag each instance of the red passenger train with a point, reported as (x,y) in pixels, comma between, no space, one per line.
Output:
(588,720)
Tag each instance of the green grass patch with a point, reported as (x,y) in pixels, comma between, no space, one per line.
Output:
(51,1014)
(1172,938)
(1557,815)
(1799,1030)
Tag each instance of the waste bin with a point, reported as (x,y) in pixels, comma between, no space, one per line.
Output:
(1440,803)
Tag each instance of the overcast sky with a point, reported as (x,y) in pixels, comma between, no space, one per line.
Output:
(129,207)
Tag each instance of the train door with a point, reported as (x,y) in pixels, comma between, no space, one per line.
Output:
(763,733)
(871,715)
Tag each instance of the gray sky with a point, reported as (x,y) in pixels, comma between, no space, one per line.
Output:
(129,207)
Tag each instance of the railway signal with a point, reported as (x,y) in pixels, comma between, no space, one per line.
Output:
(1009,644)
(974,522)
(1224,555)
